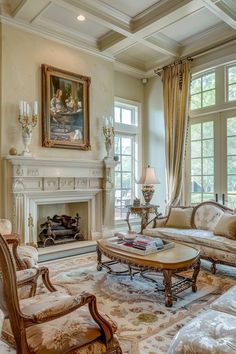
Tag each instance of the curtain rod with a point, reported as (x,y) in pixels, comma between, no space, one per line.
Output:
(196,54)
(177,61)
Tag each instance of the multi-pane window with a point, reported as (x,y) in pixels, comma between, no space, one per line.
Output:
(231,79)
(202,162)
(202,92)
(211,157)
(126,148)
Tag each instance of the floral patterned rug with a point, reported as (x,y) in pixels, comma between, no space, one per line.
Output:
(145,325)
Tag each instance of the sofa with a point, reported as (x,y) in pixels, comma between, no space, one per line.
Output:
(208,226)
(212,332)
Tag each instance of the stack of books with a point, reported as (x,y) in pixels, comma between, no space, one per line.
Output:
(146,243)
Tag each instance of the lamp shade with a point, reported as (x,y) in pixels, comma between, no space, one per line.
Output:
(148,176)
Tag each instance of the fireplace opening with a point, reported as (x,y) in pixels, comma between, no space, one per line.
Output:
(60,229)
(62,223)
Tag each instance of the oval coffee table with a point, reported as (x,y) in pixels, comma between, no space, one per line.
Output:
(169,262)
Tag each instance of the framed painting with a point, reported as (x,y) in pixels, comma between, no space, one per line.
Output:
(65,109)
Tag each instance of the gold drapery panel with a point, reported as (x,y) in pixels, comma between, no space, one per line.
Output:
(176,80)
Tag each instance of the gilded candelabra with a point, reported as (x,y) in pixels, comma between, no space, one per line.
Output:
(108,132)
(27,124)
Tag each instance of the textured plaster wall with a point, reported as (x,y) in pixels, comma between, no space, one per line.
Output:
(22,55)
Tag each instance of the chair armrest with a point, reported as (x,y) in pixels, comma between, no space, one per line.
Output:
(64,306)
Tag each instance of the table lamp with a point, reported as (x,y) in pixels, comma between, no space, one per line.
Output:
(148,179)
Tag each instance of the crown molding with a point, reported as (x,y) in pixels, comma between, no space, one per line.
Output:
(127,69)
(56,37)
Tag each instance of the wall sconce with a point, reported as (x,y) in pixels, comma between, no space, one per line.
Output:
(108,132)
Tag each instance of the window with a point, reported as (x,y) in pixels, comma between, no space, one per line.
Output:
(126,148)
(231,79)
(211,153)
(203,91)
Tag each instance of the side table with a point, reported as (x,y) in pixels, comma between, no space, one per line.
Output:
(143,210)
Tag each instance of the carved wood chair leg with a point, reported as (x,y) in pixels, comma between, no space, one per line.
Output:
(213,267)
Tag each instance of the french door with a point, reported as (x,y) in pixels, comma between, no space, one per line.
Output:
(211,159)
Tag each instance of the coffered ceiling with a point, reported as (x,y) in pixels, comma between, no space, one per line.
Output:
(137,35)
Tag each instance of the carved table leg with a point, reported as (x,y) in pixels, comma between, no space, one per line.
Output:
(168,283)
(196,269)
(99,259)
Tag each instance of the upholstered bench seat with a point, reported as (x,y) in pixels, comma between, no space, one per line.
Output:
(212,332)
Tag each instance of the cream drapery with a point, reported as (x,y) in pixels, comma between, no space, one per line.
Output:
(176,79)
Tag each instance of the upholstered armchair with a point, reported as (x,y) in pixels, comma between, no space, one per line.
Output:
(24,256)
(52,323)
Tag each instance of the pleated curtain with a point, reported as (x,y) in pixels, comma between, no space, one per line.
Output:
(176,80)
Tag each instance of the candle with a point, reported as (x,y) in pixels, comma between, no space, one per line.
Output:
(21,108)
(27,109)
(24,108)
(35,112)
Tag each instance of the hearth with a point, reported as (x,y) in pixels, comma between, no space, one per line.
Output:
(60,229)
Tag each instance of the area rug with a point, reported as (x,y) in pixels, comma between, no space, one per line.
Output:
(145,325)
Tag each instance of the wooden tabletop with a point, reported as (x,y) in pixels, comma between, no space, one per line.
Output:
(180,256)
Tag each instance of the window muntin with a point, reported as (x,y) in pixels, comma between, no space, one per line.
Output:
(231,83)
(202,92)
(126,148)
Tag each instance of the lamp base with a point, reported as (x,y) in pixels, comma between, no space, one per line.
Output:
(148,191)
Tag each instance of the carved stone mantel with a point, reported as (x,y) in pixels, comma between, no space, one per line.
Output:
(33,181)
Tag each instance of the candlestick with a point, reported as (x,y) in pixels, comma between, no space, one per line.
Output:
(27,124)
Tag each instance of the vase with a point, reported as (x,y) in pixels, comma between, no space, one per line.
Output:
(26,137)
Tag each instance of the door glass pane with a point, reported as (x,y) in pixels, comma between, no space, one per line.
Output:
(196,167)
(208,184)
(208,148)
(196,148)
(196,198)
(231,168)
(126,146)
(196,131)
(231,145)
(208,166)
(232,183)
(196,183)
(232,201)
(196,86)
(208,196)
(208,131)
(117,114)
(231,126)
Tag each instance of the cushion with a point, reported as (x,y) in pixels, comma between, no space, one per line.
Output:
(226,226)
(180,218)
(212,332)
(207,216)
(226,303)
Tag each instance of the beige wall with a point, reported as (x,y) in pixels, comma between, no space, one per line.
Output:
(23,53)
(154,137)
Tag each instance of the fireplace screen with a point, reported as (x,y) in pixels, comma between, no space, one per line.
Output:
(60,229)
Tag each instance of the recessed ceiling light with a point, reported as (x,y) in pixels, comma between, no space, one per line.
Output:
(81,17)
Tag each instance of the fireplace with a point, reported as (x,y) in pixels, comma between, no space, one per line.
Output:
(35,186)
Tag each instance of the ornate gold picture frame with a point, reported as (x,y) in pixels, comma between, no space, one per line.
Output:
(65,109)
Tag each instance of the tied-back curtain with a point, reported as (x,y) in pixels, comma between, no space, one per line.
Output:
(176,79)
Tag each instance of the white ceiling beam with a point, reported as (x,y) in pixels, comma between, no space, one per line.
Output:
(28,10)
(220,12)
